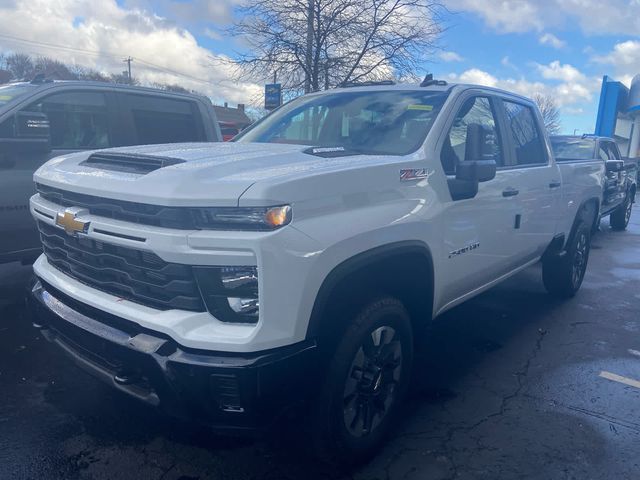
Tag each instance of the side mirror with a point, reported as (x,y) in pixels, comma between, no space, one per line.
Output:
(614,165)
(476,170)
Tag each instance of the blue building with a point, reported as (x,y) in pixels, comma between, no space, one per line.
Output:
(619,115)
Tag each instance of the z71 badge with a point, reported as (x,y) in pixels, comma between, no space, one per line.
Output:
(462,250)
(407,174)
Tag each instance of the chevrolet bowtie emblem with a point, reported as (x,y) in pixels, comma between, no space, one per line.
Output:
(70,223)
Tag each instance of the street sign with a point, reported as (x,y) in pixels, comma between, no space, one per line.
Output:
(272,96)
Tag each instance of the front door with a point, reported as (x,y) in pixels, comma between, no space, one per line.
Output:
(478,232)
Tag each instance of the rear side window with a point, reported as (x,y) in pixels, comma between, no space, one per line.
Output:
(78,120)
(163,120)
(525,135)
(612,151)
(569,149)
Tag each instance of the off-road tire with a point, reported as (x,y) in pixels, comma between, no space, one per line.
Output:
(563,274)
(619,219)
(340,436)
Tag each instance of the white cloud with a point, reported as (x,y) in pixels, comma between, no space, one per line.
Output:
(212,34)
(100,34)
(551,40)
(592,16)
(450,57)
(478,77)
(565,72)
(567,85)
(624,58)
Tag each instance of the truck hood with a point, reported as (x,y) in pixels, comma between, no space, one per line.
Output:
(209,174)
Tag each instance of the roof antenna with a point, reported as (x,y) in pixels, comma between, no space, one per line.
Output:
(39,79)
(428,81)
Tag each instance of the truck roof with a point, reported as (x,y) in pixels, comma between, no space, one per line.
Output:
(92,83)
(582,137)
(434,88)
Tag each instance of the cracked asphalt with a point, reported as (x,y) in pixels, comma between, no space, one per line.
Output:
(506,386)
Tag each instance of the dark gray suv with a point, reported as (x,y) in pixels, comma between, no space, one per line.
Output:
(40,120)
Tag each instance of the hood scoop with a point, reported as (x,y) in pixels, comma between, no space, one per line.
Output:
(129,162)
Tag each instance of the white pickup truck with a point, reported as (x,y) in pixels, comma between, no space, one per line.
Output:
(294,266)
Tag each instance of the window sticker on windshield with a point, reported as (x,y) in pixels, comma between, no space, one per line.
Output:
(5,97)
(426,108)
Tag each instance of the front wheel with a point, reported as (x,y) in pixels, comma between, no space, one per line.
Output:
(366,382)
(619,219)
(563,275)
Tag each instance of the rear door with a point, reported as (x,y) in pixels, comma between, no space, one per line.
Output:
(615,181)
(535,180)
(79,119)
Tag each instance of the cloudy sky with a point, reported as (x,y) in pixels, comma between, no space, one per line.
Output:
(559,47)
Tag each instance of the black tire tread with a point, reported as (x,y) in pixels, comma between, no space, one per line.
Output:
(617,218)
(328,447)
(557,270)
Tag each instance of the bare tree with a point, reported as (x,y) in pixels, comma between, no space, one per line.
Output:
(349,40)
(53,69)
(20,65)
(550,112)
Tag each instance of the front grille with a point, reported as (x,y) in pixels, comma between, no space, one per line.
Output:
(135,275)
(140,213)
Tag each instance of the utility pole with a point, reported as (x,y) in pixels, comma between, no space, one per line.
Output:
(128,61)
(309,52)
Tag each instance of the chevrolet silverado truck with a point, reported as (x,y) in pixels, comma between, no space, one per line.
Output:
(618,177)
(296,266)
(42,119)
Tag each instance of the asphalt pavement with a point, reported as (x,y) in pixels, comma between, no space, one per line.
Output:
(512,384)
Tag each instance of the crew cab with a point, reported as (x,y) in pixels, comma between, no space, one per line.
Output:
(43,119)
(600,156)
(296,265)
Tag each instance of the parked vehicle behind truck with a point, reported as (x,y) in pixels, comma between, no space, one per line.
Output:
(297,264)
(42,119)
(601,157)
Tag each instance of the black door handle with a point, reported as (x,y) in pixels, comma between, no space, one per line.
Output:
(555,185)
(510,192)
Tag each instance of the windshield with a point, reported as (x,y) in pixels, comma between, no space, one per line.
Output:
(573,148)
(12,92)
(374,122)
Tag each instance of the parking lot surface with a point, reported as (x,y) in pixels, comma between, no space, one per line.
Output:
(512,384)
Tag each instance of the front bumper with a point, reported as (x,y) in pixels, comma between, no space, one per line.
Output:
(227,391)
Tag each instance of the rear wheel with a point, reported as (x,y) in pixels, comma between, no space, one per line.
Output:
(366,382)
(563,274)
(619,219)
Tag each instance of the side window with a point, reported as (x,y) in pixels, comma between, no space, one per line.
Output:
(525,134)
(163,120)
(475,117)
(603,152)
(78,120)
(304,127)
(7,128)
(612,150)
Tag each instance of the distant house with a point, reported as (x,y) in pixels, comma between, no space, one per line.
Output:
(232,116)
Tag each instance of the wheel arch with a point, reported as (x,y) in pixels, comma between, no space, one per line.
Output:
(589,211)
(375,271)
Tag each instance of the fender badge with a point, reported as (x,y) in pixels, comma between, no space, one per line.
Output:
(407,174)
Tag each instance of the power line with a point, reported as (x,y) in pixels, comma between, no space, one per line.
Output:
(152,66)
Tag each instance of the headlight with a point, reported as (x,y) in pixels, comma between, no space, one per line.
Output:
(242,218)
(230,293)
